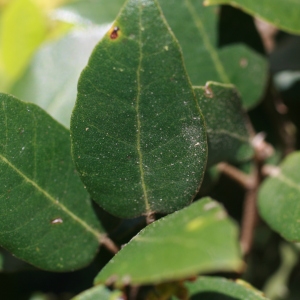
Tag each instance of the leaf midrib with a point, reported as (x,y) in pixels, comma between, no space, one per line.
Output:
(140,155)
(208,45)
(97,234)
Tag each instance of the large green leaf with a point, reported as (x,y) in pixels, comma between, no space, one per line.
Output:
(227,134)
(22,29)
(218,288)
(99,292)
(198,37)
(138,136)
(46,217)
(279,198)
(283,14)
(51,78)
(197,239)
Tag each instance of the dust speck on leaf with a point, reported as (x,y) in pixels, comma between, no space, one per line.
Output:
(57,221)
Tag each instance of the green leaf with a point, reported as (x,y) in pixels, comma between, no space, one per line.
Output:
(51,79)
(219,288)
(236,64)
(22,29)
(278,199)
(227,134)
(138,136)
(99,292)
(46,217)
(197,239)
(282,14)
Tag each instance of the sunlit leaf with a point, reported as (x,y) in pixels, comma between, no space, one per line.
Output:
(138,136)
(46,217)
(197,239)
(22,29)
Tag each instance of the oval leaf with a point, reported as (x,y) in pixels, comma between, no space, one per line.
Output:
(99,292)
(226,123)
(282,14)
(218,288)
(138,136)
(46,217)
(236,64)
(197,239)
(278,198)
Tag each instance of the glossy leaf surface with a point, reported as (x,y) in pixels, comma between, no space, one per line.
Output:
(99,292)
(218,288)
(138,136)
(227,134)
(51,79)
(46,217)
(278,200)
(236,64)
(282,14)
(199,238)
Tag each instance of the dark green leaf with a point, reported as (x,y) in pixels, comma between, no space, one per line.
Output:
(282,14)
(279,198)
(99,292)
(51,79)
(197,239)
(218,288)
(46,217)
(198,37)
(138,136)
(227,134)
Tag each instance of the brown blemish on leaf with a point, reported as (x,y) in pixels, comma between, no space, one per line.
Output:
(208,91)
(114,34)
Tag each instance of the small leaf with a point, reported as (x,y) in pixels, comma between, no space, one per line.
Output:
(197,239)
(51,79)
(46,217)
(282,14)
(99,292)
(236,64)
(278,198)
(227,134)
(218,288)
(138,136)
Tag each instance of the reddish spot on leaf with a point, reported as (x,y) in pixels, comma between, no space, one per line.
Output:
(114,33)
